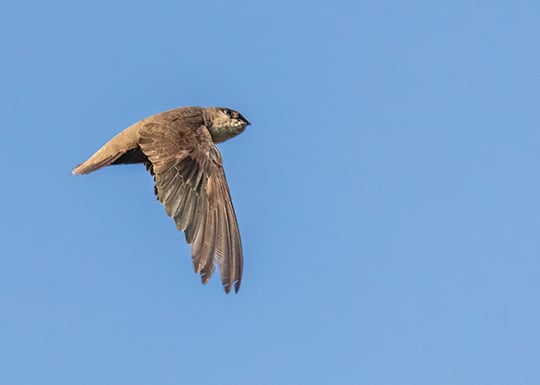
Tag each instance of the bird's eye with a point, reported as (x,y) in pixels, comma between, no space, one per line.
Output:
(227,112)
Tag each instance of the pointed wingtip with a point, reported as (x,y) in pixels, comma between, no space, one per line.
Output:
(78,170)
(227,287)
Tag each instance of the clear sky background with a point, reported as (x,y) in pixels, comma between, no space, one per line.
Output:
(388,193)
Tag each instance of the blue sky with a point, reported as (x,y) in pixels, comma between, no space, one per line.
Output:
(387,193)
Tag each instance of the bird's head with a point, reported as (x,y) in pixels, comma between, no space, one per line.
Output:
(224,123)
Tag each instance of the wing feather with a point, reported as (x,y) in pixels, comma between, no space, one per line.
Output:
(191,184)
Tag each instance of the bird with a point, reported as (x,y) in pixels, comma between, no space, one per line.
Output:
(178,148)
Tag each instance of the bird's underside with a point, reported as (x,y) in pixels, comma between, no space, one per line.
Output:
(178,148)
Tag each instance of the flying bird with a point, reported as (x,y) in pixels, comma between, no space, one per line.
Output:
(178,147)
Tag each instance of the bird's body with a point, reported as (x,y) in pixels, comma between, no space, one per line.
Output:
(178,148)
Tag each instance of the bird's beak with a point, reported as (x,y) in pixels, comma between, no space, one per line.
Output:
(245,120)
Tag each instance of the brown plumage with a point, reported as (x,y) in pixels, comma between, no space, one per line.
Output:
(178,148)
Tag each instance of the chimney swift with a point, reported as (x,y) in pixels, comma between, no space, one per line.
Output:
(178,148)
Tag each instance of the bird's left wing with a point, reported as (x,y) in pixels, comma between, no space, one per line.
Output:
(190,183)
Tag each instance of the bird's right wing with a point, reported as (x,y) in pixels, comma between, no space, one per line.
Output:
(111,151)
